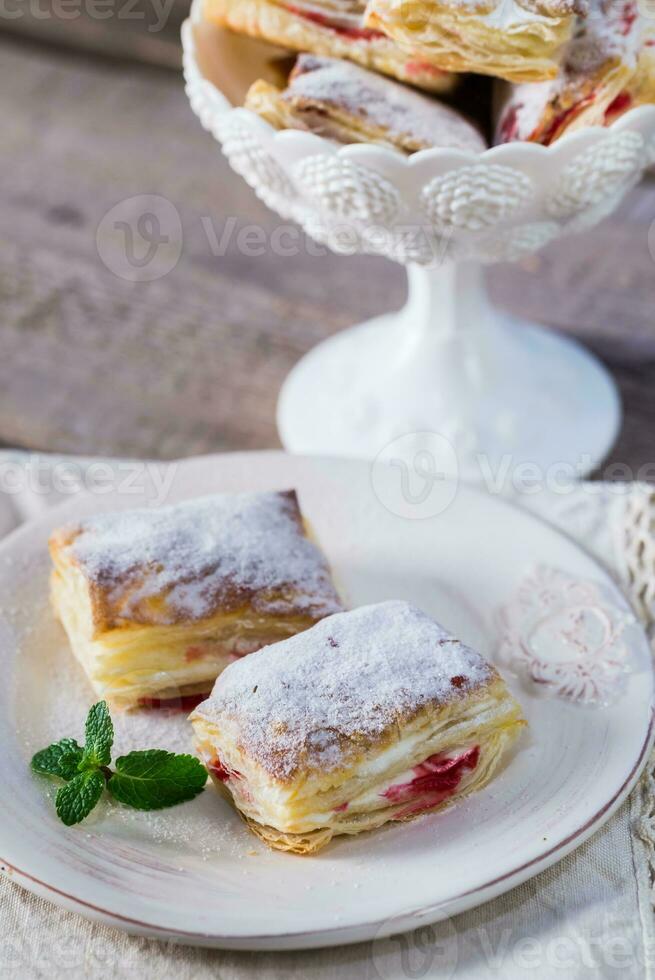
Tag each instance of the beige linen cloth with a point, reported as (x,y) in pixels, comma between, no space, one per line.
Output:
(589,916)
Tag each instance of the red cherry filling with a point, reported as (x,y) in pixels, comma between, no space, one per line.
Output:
(423,68)
(186,703)
(221,771)
(628,18)
(509,127)
(620,104)
(356,33)
(564,118)
(435,780)
(194,653)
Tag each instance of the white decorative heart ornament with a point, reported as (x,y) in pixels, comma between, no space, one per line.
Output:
(565,638)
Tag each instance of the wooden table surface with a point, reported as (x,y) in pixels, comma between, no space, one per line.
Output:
(192,361)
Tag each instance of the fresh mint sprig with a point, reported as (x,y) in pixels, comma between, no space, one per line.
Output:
(59,759)
(99,737)
(146,780)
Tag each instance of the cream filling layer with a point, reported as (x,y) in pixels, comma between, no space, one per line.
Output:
(359,797)
(372,805)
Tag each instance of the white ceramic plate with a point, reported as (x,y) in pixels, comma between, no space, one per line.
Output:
(194,873)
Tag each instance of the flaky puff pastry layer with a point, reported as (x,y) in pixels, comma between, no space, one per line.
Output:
(518,41)
(390,699)
(347,103)
(607,69)
(156,603)
(292,27)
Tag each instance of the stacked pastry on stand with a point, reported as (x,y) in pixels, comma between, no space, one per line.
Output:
(608,68)
(334,28)
(351,81)
(559,65)
(346,103)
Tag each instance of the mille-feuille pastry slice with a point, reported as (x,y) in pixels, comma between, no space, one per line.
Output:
(594,84)
(372,716)
(157,602)
(520,40)
(334,28)
(346,103)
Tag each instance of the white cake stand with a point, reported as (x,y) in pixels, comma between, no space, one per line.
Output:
(496,390)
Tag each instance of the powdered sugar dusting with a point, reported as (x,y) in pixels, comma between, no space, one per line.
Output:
(610,34)
(399,110)
(525,108)
(607,32)
(312,700)
(213,552)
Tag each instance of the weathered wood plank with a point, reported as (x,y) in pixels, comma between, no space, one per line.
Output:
(192,362)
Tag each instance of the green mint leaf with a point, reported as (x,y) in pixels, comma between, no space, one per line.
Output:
(76,799)
(99,734)
(59,759)
(155,779)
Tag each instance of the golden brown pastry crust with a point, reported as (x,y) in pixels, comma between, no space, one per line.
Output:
(342,101)
(210,556)
(287,28)
(393,702)
(518,41)
(157,602)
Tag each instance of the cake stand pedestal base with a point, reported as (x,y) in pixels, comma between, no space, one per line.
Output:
(496,392)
